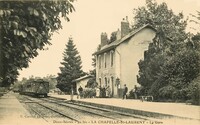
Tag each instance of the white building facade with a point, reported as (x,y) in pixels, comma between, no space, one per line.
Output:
(117,62)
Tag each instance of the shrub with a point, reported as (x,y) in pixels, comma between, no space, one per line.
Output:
(135,93)
(91,83)
(194,91)
(132,94)
(89,93)
(3,90)
(166,92)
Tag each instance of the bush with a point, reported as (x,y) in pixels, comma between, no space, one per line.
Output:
(135,93)
(91,83)
(89,93)
(3,90)
(194,91)
(166,92)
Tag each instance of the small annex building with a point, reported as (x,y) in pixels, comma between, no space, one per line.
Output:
(117,61)
(82,81)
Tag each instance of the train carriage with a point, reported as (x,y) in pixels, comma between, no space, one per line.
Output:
(37,88)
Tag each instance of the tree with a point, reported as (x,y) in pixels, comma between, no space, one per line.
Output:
(150,67)
(169,65)
(162,18)
(71,67)
(179,73)
(52,81)
(113,36)
(92,81)
(167,76)
(194,89)
(196,20)
(49,78)
(25,27)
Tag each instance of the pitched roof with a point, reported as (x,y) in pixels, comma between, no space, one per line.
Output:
(118,42)
(81,78)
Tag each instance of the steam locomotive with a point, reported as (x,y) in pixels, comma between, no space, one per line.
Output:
(37,88)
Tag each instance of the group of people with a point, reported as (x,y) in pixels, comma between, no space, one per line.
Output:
(104,92)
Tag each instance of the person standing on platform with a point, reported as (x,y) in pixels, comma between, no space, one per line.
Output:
(125,92)
(72,92)
(97,91)
(80,90)
(108,91)
(103,92)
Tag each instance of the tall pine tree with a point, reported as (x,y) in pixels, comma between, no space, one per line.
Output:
(71,67)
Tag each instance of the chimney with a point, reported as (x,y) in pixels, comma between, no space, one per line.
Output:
(124,27)
(118,34)
(104,39)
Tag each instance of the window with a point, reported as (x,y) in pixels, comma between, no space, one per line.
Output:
(112,84)
(112,80)
(105,82)
(100,81)
(105,60)
(108,82)
(99,62)
(111,58)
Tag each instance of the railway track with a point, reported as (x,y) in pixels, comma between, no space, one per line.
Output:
(37,109)
(72,111)
(117,114)
(90,110)
(106,113)
(67,113)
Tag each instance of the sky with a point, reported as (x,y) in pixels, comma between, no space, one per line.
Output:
(91,18)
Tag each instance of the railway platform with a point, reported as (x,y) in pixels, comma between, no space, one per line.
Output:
(13,113)
(176,110)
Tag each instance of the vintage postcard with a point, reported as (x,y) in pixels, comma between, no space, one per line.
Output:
(99,62)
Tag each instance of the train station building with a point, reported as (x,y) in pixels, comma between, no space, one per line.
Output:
(117,61)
